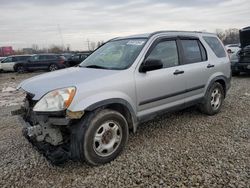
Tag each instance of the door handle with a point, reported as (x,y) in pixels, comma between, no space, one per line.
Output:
(210,66)
(178,72)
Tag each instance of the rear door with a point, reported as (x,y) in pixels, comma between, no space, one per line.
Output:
(164,88)
(45,61)
(196,65)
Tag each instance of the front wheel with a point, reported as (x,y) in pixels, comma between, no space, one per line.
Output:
(100,137)
(213,99)
(53,67)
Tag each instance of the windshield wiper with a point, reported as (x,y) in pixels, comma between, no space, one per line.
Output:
(94,66)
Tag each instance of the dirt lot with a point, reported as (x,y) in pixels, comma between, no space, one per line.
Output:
(181,149)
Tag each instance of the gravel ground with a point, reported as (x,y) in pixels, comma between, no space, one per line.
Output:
(183,149)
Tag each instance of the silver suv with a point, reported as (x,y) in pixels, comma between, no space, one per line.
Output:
(86,112)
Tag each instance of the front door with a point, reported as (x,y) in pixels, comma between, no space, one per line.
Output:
(164,88)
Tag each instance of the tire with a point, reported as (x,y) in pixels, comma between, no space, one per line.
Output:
(235,73)
(53,67)
(213,100)
(100,137)
(20,69)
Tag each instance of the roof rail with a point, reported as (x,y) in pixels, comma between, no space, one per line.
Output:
(166,31)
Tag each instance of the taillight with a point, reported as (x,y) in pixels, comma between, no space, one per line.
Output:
(61,60)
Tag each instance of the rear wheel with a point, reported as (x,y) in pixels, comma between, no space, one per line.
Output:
(20,69)
(213,99)
(100,137)
(53,67)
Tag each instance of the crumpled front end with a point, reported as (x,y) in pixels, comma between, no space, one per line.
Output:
(49,132)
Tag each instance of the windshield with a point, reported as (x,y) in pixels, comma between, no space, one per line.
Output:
(117,55)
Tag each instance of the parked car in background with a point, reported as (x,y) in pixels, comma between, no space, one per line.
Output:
(1,59)
(231,48)
(67,55)
(50,62)
(77,59)
(240,61)
(9,63)
(86,112)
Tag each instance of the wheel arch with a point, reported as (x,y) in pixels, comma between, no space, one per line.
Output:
(119,105)
(223,80)
(17,65)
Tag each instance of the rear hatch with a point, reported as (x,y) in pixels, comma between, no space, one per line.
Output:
(245,37)
(245,45)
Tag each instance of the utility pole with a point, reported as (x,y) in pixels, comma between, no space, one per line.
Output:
(88,42)
(60,33)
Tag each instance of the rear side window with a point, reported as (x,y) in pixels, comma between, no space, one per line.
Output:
(34,58)
(22,58)
(193,51)
(51,57)
(42,57)
(216,46)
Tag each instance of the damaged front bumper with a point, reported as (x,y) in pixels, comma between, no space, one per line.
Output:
(42,127)
(50,133)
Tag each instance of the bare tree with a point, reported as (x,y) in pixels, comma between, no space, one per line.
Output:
(35,47)
(92,46)
(99,43)
(68,48)
(229,36)
(55,49)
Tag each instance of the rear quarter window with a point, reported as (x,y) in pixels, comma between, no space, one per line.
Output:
(215,45)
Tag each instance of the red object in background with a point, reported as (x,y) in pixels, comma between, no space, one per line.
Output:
(6,51)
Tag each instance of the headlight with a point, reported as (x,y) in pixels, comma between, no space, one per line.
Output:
(56,100)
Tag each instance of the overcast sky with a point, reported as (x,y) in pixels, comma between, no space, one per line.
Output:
(27,22)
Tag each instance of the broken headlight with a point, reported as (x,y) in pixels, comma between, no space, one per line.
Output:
(56,100)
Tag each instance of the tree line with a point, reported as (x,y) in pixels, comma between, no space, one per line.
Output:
(229,36)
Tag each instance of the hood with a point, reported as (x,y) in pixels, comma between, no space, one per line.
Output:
(42,84)
(245,37)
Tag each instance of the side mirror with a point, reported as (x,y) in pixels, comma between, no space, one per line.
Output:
(150,65)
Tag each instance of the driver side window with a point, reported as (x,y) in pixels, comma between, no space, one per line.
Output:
(167,52)
(8,60)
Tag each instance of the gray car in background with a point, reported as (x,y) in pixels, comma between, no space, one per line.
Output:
(86,113)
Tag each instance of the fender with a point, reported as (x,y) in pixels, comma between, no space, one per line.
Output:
(226,80)
(120,101)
